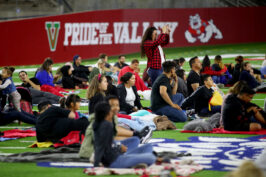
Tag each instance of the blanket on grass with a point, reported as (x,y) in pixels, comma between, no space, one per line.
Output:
(182,169)
(18,133)
(214,153)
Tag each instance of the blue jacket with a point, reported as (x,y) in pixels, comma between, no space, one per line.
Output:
(45,78)
(10,88)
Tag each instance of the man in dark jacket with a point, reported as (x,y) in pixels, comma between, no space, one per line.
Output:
(201,97)
(80,70)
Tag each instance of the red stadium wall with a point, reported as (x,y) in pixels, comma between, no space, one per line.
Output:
(114,32)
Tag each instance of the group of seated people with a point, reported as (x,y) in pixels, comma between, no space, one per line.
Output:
(172,95)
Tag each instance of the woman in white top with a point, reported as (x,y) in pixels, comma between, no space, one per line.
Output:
(127,93)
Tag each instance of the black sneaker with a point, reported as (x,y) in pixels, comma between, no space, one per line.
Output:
(146,134)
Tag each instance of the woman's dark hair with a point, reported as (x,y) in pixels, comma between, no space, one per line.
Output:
(239,59)
(181,60)
(176,61)
(101,110)
(64,70)
(180,73)
(47,62)
(43,105)
(147,36)
(126,77)
(109,80)
(206,62)
(243,65)
(102,56)
(72,98)
(110,83)
(9,70)
(111,97)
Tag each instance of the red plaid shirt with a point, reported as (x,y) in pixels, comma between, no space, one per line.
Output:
(152,51)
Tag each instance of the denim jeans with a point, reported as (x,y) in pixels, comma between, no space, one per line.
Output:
(154,73)
(131,143)
(8,117)
(173,114)
(137,124)
(142,154)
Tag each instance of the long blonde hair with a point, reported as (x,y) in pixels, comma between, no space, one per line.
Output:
(94,86)
(218,60)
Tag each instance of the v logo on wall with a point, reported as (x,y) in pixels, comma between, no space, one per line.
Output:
(201,30)
(52,29)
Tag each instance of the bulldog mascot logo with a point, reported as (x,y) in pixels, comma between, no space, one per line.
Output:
(201,30)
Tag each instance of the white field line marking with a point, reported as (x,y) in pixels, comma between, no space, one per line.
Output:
(24,141)
(13,147)
(18,127)
(6,154)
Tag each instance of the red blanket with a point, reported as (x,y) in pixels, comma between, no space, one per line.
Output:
(222,131)
(16,133)
(72,138)
(54,90)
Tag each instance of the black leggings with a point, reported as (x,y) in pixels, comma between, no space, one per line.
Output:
(9,117)
(63,126)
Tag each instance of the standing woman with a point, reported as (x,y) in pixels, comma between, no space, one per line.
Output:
(45,75)
(96,91)
(151,46)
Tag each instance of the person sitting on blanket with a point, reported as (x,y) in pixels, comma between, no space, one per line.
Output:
(121,134)
(80,70)
(72,103)
(133,67)
(234,90)
(8,88)
(121,63)
(219,66)
(34,87)
(164,99)
(11,115)
(44,74)
(111,88)
(110,153)
(248,75)
(55,123)
(201,97)
(127,92)
(193,78)
(241,115)
(96,91)
(69,81)
(46,78)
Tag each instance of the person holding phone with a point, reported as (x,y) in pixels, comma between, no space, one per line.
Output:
(151,46)
(164,99)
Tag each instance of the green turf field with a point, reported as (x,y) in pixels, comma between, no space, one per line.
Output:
(31,170)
